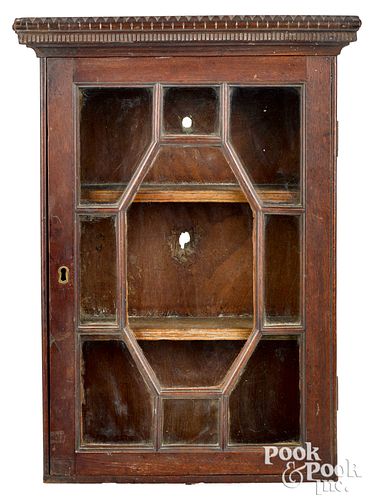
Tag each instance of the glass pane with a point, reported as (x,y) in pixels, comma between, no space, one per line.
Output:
(190,422)
(98,270)
(116,404)
(190,260)
(264,407)
(190,164)
(265,132)
(111,142)
(191,363)
(190,110)
(282,269)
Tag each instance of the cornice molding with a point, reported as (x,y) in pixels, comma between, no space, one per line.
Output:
(186,31)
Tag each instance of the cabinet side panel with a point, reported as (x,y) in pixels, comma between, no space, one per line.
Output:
(61,238)
(320,258)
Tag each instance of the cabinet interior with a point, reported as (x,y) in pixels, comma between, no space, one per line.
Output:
(183,258)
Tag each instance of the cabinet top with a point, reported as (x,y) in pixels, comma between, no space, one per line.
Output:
(70,36)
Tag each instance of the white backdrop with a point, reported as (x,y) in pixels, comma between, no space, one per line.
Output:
(20,347)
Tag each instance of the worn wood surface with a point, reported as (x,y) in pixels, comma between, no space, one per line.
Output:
(110,142)
(223,193)
(201,428)
(98,271)
(112,382)
(282,267)
(271,154)
(177,165)
(270,383)
(61,355)
(191,363)
(192,328)
(211,276)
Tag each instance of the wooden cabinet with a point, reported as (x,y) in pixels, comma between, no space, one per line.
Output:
(188,222)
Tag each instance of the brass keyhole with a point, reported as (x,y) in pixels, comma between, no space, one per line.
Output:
(63,275)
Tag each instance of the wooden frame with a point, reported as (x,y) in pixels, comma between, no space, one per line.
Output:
(287,51)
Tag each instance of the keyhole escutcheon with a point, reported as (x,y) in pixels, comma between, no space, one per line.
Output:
(63,275)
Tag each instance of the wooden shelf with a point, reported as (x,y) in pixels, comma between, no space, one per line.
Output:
(172,328)
(222,193)
(225,193)
(277,194)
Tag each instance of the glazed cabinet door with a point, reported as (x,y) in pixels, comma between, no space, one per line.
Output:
(189,252)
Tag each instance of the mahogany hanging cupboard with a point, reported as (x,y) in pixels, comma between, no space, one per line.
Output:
(188,243)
